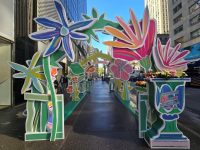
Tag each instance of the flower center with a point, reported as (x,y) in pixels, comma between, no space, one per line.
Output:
(121,68)
(64,31)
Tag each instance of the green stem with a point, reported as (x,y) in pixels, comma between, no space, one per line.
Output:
(47,72)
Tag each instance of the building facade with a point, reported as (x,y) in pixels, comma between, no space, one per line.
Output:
(184,18)
(75,9)
(7,40)
(158,10)
(185,29)
(45,8)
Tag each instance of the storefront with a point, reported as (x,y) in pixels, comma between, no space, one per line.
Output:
(6,46)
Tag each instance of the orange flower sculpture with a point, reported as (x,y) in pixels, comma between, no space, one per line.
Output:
(70,89)
(90,69)
(75,79)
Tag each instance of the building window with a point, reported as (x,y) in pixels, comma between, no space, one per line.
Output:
(179,40)
(174,1)
(177,19)
(195,33)
(178,29)
(195,20)
(177,8)
(194,7)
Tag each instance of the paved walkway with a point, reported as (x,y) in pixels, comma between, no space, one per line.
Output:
(102,123)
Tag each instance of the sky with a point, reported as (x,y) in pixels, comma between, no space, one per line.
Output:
(113,8)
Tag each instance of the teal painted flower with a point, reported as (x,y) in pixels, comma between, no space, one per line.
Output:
(31,74)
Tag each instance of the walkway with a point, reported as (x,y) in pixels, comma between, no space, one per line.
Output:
(102,123)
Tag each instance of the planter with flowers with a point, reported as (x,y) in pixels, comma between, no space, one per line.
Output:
(166,91)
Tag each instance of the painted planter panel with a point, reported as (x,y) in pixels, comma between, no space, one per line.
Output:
(167,99)
(37,117)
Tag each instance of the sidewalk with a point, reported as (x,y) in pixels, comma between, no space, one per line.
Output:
(100,123)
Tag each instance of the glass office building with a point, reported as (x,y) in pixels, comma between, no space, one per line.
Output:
(75,8)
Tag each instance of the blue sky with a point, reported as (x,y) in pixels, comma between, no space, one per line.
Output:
(113,8)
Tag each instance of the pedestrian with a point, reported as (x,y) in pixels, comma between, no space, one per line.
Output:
(56,85)
(65,81)
(61,83)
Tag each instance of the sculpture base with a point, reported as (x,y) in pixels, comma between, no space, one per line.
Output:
(176,141)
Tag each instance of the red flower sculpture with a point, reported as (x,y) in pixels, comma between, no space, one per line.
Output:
(121,69)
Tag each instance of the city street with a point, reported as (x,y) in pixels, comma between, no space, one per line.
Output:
(100,122)
(190,118)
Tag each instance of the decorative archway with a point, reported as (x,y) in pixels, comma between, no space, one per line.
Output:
(132,41)
(95,56)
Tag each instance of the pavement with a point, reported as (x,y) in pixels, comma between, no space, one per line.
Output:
(190,118)
(99,123)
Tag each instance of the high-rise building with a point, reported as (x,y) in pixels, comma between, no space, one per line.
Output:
(158,10)
(75,9)
(184,18)
(184,28)
(45,8)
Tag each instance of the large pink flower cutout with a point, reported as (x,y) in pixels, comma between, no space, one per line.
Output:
(168,58)
(121,69)
(135,40)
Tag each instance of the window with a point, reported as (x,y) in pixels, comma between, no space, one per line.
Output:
(194,7)
(178,29)
(195,20)
(177,19)
(195,33)
(177,8)
(174,1)
(179,40)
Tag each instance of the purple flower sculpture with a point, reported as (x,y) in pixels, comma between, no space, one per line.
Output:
(60,32)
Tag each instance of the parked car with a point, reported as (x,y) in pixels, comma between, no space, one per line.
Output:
(194,73)
(137,75)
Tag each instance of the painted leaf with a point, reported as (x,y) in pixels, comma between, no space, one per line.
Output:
(19,75)
(76,69)
(18,67)
(94,13)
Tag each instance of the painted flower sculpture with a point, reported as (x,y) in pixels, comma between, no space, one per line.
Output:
(74,79)
(121,69)
(61,32)
(70,89)
(135,41)
(90,69)
(170,59)
(33,74)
